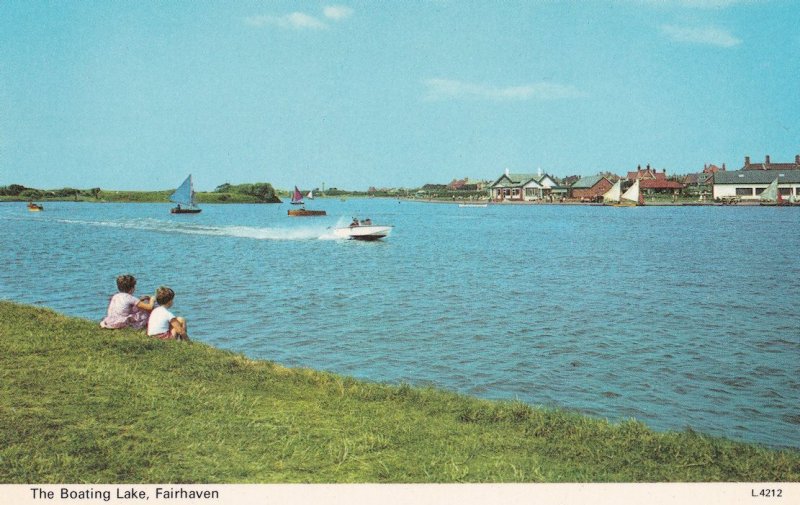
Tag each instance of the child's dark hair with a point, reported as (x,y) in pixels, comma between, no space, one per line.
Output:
(164,295)
(125,283)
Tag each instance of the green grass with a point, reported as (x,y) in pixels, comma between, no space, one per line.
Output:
(82,404)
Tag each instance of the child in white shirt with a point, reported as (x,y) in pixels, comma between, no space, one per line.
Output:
(162,323)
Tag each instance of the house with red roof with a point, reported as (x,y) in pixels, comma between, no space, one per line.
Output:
(768,165)
(652,181)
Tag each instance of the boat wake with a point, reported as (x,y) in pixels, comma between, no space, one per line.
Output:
(319,232)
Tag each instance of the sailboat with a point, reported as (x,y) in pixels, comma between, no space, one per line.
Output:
(297,197)
(310,195)
(631,197)
(613,195)
(184,196)
(771,195)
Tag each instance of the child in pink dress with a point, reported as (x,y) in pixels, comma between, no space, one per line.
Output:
(124,309)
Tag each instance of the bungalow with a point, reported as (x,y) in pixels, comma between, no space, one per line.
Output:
(749,184)
(590,188)
(524,187)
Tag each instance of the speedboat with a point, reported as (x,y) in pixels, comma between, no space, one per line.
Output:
(363,232)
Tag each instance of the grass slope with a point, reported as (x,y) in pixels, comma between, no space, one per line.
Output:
(82,404)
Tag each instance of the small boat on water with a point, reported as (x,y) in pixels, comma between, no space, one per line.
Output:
(297,199)
(184,196)
(772,196)
(473,204)
(35,207)
(616,198)
(363,230)
(306,212)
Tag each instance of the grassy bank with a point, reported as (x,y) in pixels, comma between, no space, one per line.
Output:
(81,404)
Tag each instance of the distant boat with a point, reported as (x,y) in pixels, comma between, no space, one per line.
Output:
(35,207)
(297,197)
(473,204)
(614,194)
(184,196)
(772,195)
(363,230)
(306,212)
(631,197)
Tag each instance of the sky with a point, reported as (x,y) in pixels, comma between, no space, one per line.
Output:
(135,95)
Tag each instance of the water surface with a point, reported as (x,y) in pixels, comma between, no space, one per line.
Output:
(677,316)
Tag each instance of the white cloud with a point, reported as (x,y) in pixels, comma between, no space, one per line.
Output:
(337,12)
(710,35)
(293,21)
(450,89)
(301,20)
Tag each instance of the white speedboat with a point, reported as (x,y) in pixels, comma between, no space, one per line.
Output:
(363,232)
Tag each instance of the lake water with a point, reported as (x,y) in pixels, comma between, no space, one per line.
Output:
(676,316)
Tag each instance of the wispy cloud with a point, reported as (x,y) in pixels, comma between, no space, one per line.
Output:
(301,20)
(450,89)
(709,35)
(337,12)
(293,21)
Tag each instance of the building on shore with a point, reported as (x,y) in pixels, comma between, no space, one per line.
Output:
(652,181)
(590,188)
(702,183)
(526,188)
(768,165)
(749,184)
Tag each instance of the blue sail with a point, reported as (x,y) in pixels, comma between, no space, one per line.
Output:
(184,195)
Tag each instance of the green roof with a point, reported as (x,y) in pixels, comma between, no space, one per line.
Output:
(587,182)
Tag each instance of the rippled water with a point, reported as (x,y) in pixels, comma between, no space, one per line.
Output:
(679,317)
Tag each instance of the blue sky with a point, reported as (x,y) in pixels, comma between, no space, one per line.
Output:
(137,94)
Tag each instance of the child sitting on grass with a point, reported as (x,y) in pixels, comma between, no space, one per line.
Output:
(124,309)
(163,324)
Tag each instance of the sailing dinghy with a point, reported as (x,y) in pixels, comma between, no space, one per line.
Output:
(184,196)
(631,197)
(297,199)
(772,195)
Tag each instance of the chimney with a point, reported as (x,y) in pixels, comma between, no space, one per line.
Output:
(506,172)
(766,160)
(746,161)
(723,167)
(797,159)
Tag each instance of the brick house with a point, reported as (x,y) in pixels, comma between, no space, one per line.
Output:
(768,165)
(652,181)
(590,188)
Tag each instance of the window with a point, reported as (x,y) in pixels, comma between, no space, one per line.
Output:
(745,191)
(785,191)
(760,190)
